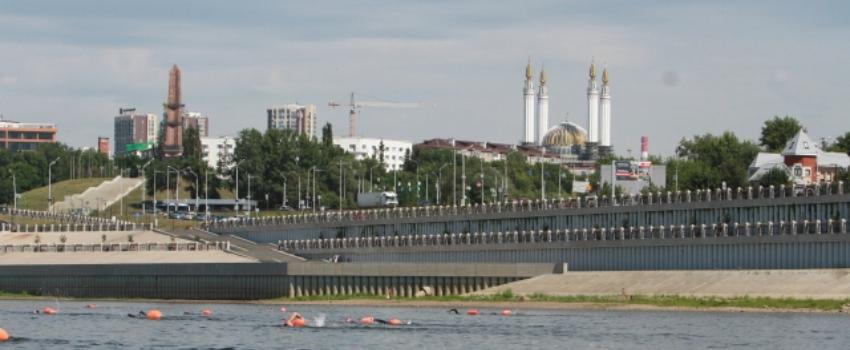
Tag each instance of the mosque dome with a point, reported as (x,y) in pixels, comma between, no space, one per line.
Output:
(565,135)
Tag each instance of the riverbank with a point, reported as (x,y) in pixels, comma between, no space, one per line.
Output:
(507,300)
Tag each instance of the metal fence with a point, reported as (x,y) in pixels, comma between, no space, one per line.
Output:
(515,206)
(113,247)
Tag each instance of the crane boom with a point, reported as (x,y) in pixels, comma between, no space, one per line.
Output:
(354,105)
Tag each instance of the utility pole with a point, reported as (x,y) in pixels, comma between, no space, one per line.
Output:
(206,195)
(340,186)
(463,179)
(50,184)
(454,178)
(481,173)
(14,190)
(145,186)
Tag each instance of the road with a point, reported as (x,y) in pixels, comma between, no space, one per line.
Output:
(238,245)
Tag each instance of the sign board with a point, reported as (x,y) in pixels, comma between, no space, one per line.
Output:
(581,187)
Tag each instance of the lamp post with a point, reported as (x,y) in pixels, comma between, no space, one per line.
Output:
(196,188)
(50,183)
(176,188)
(153,210)
(370,176)
(145,186)
(236,206)
(440,181)
(250,207)
(14,190)
(206,195)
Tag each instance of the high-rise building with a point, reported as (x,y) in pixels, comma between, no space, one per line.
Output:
(218,151)
(16,136)
(138,131)
(103,145)
(198,121)
(301,119)
(173,142)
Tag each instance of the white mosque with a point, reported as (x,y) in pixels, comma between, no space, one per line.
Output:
(568,138)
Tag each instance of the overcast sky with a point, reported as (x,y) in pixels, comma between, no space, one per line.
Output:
(677,68)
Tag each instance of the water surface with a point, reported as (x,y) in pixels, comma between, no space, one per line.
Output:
(245,326)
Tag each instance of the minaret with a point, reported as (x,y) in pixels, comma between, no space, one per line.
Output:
(605,112)
(542,108)
(528,93)
(592,107)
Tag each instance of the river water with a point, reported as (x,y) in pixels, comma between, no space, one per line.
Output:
(247,326)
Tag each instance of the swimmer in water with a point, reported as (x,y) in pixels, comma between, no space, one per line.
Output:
(294,320)
(141,314)
(454,311)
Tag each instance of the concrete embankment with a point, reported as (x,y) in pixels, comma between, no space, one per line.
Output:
(799,284)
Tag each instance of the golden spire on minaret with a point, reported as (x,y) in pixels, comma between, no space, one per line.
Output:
(592,70)
(542,76)
(529,73)
(605,76)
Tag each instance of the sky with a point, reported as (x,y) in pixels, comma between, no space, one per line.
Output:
(678,68)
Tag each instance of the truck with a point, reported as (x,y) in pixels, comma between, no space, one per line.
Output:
(377,199)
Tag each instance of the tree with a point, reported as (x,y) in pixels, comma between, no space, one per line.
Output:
(191,143)
(775,177)
(716,159)
(777,131)
(842,144)
(327,135)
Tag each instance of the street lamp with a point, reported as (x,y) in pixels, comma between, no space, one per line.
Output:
(145,186)
(370,176)
(196,187)
(14,190)
(50,183)
(154,191)
(440,181)
(176,188)
(236,207)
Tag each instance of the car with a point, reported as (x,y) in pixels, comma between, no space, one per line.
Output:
(285,208)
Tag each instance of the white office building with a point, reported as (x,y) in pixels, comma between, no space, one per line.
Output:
(218,151)
(394,151)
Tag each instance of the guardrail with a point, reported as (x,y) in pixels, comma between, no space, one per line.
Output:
(768,228)
(113,247)
(705,195)
(91,227)
(61,217)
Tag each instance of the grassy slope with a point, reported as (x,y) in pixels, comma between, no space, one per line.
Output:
(36,199)
(663,301)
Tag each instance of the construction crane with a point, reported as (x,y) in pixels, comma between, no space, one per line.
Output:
(354,105)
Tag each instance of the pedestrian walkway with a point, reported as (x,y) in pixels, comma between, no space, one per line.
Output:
(100,197)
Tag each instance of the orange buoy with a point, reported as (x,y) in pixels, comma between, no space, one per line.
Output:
(507,312)
(367,320)
(154,315)
(49,311)
(4,336)
(206,312)
(472,312)
(394,322)
(91,306)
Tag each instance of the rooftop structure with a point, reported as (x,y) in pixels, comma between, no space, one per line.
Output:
(17,136)
(803,161)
